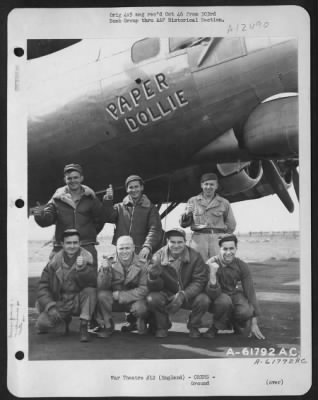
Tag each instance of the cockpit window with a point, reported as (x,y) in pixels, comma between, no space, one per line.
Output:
(229,48)
(179,43)
(144,49)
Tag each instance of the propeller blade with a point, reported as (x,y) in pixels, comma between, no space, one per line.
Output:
(273,176)
(295,176)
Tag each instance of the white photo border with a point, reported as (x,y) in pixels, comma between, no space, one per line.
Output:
(43,378)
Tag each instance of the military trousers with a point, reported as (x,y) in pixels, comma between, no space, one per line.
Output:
(205,243)
(82,305)
(107,305)
(229,310)
(157,302)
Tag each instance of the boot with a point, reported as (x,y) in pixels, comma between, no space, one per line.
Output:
(210,333)
(194,332)
(242,328)
(67,321)
(84,335)
(93,326)
(161,333)
(141,327)
(131,324)
(105,333)
(151,322)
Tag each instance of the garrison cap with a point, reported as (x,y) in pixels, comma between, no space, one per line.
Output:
(70,232)
(73,167)
(132,178)
(176,232)
(229,237)
(210,176)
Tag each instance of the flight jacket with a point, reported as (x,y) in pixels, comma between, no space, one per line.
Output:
(131,282)
(141,221)
(191,279)
(85,216)
(52,281)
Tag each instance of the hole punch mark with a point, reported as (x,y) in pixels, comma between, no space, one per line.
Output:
(138,81)
(19,203)
(19,355)
(18,51)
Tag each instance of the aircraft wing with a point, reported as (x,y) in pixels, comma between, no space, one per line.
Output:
(237,182)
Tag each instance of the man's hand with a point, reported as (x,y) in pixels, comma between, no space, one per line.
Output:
(213,267)
(38,210)
(176,303)
(106,263)
(255,330)
(133,309)
(144,253)
(155,271)
(189,208)
(104,276)
(54,315)
(80,261)
(116,295)
(109,194)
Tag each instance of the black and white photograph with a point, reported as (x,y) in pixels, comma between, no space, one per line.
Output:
(159,233)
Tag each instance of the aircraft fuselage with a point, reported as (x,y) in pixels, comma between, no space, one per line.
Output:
(116,116)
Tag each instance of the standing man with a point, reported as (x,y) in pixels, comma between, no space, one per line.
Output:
(122,286)
(231,305)
(176,279)
(64,288)
(73,206)
(135,216)
(208,215)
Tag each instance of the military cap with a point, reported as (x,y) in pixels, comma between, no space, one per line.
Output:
(73,167)
(70,232)
(132,178)
(176,232)
(209,177)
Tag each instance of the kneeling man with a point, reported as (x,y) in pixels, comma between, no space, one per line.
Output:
(65,287)
(231,305)
(122,286)
(176,279)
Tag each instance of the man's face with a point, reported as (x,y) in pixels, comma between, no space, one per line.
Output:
(135,189)
(73,179)
(209,187)
(176,245)
(125,249)
(71,245)
(228,251)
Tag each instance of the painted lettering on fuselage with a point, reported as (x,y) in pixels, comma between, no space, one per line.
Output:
(146,103)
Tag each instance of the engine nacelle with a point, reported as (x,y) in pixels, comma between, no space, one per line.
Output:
(271,130)
(237,180)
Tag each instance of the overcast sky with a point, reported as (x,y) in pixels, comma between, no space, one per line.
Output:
(265,214)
